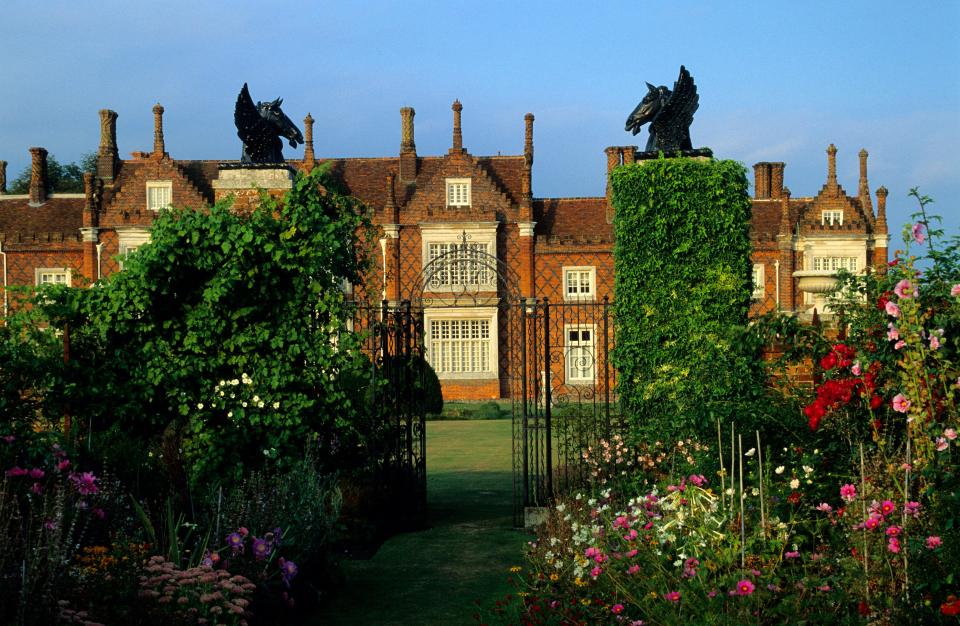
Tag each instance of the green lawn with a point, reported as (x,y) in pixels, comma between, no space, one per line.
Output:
(434,576)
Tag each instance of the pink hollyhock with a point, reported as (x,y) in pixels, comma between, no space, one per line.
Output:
(955,290)
(872,522)
(893,545)
(892,333)
(745,588)
(823,506)
(934,342)
(905,289)
(62,465)
(848,492)
(672,596)
(900,403)
(942,444)
(950,434)
(37,473)
(899,345)
(918,233)
(16,471)
(633,569)
(933,542)
(791,555)
(892,309)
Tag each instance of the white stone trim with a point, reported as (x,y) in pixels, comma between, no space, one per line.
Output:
(759,281)
(451,232)
(89,233)
(391,231)
(526,228)
(129,240)
(38,272)
(465,313)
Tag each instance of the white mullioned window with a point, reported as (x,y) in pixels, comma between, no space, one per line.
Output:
(458,192)
(831,218)
(53,276)
(459,264)
(579,283)
(159,194)
(758,284)
(580,354)
(130,240)
(460,346)
(834,263)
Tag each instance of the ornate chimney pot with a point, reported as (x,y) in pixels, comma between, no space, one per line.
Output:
(158,148)
(832,165)
(308,156)
(457,134)
(38,176)
(107,154)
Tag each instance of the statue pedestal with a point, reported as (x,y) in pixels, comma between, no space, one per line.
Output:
(245,181)
(696,153)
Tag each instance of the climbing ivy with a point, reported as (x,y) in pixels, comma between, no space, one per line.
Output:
(683,291)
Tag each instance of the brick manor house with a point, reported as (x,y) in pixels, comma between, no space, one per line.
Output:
(427,206)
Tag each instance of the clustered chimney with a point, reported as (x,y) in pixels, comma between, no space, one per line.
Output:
(308,156)
(158,147)
(784,212)
(390,208)
(3,177)
(408,149)
(881,224)
(864,190)
(831,165)
(776,180)
(107,155)
(457,134)
(761,181)
(38,176)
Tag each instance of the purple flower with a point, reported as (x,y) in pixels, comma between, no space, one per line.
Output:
(235,541)
(36,473)
(918,233)
(16,471)
(85,483)
(288,570)
(11,438)
(912,508)
(261,548)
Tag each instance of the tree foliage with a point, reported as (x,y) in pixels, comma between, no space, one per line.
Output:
(62,178)
(226,334)
(683,293)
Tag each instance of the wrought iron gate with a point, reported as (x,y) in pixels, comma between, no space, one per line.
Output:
(565,398)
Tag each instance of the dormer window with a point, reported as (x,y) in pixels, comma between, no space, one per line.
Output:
(159,194)
(458,192)
(831,218)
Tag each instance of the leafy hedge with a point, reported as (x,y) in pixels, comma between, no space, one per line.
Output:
(683,285)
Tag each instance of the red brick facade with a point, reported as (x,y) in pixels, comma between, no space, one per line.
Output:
(423,204)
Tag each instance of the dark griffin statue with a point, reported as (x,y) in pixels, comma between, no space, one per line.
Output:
(260,127)
(670,114)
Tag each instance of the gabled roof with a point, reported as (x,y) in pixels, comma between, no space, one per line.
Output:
(57,219)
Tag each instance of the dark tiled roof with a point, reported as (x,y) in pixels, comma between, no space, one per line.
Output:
(572,218)
(57,216)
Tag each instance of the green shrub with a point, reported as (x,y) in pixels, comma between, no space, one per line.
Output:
(683,292)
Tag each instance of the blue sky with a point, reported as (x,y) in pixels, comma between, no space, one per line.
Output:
(777,81)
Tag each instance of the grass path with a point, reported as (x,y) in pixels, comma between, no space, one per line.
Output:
(432,577)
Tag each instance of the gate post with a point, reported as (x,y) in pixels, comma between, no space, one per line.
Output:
(547,399)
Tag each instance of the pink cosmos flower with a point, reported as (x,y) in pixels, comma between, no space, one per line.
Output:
(912,509)
(633,569)
(823,506)
(893,545)
(905,289)
(942,444)
(955,290)
(887,507)
(37,473)
(892,333)
(855,370)
(697,479)
(791,555)
(745,588)
(918,233)
(892,309)
(85,483)
(848,492)
(900,403)
(672,596)
(894,531)
(596,571)
(933,542)
(899,345)
(934,342)
(616,609)
(950,434)
(872,522)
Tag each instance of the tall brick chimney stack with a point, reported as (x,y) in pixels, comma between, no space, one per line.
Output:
(614,159)
(3,177)
(90,200)
(107,155)
(784,212)
(38,176)
(880,227)
(864,191)
(457,134)
(309,160)
(761,181)
(390,208)
(832,166)
(408,148)
(776,180)
(527,183)
(158,147)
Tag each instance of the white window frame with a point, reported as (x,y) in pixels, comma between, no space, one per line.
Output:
(831,217)
(160,184)
(580,270)
(130,240)
(759,281)
(53,271)
(835,263)
(479,233)
(458,192)
(460,315)
(576,349)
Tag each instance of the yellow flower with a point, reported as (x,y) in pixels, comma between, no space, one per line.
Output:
(653,594)
(585,602)
(523,594)
(515,569)
(579,582)
(554,577)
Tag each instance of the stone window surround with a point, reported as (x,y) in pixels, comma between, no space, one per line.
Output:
(831,217)
(759,284)
(466,313)
(129,240)
(466,201)
(159,184)
(38,272)
(590,295)
(591,347)
(451,232)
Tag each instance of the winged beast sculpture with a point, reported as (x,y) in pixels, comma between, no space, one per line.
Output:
(669,113)
(260,127)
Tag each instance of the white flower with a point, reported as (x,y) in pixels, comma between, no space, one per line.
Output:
(729,491)
(234,382)
(794,483)
(256,399)
(779,469)
(561,507)
(260,404)
(754,492)
(200,405)
(807,469)
(750,452)
(230,414)
(276,405)
(244,404)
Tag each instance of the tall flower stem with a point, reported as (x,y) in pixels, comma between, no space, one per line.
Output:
(763,509)
(863,502)
(743,533)
(733,467)
(723,489)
